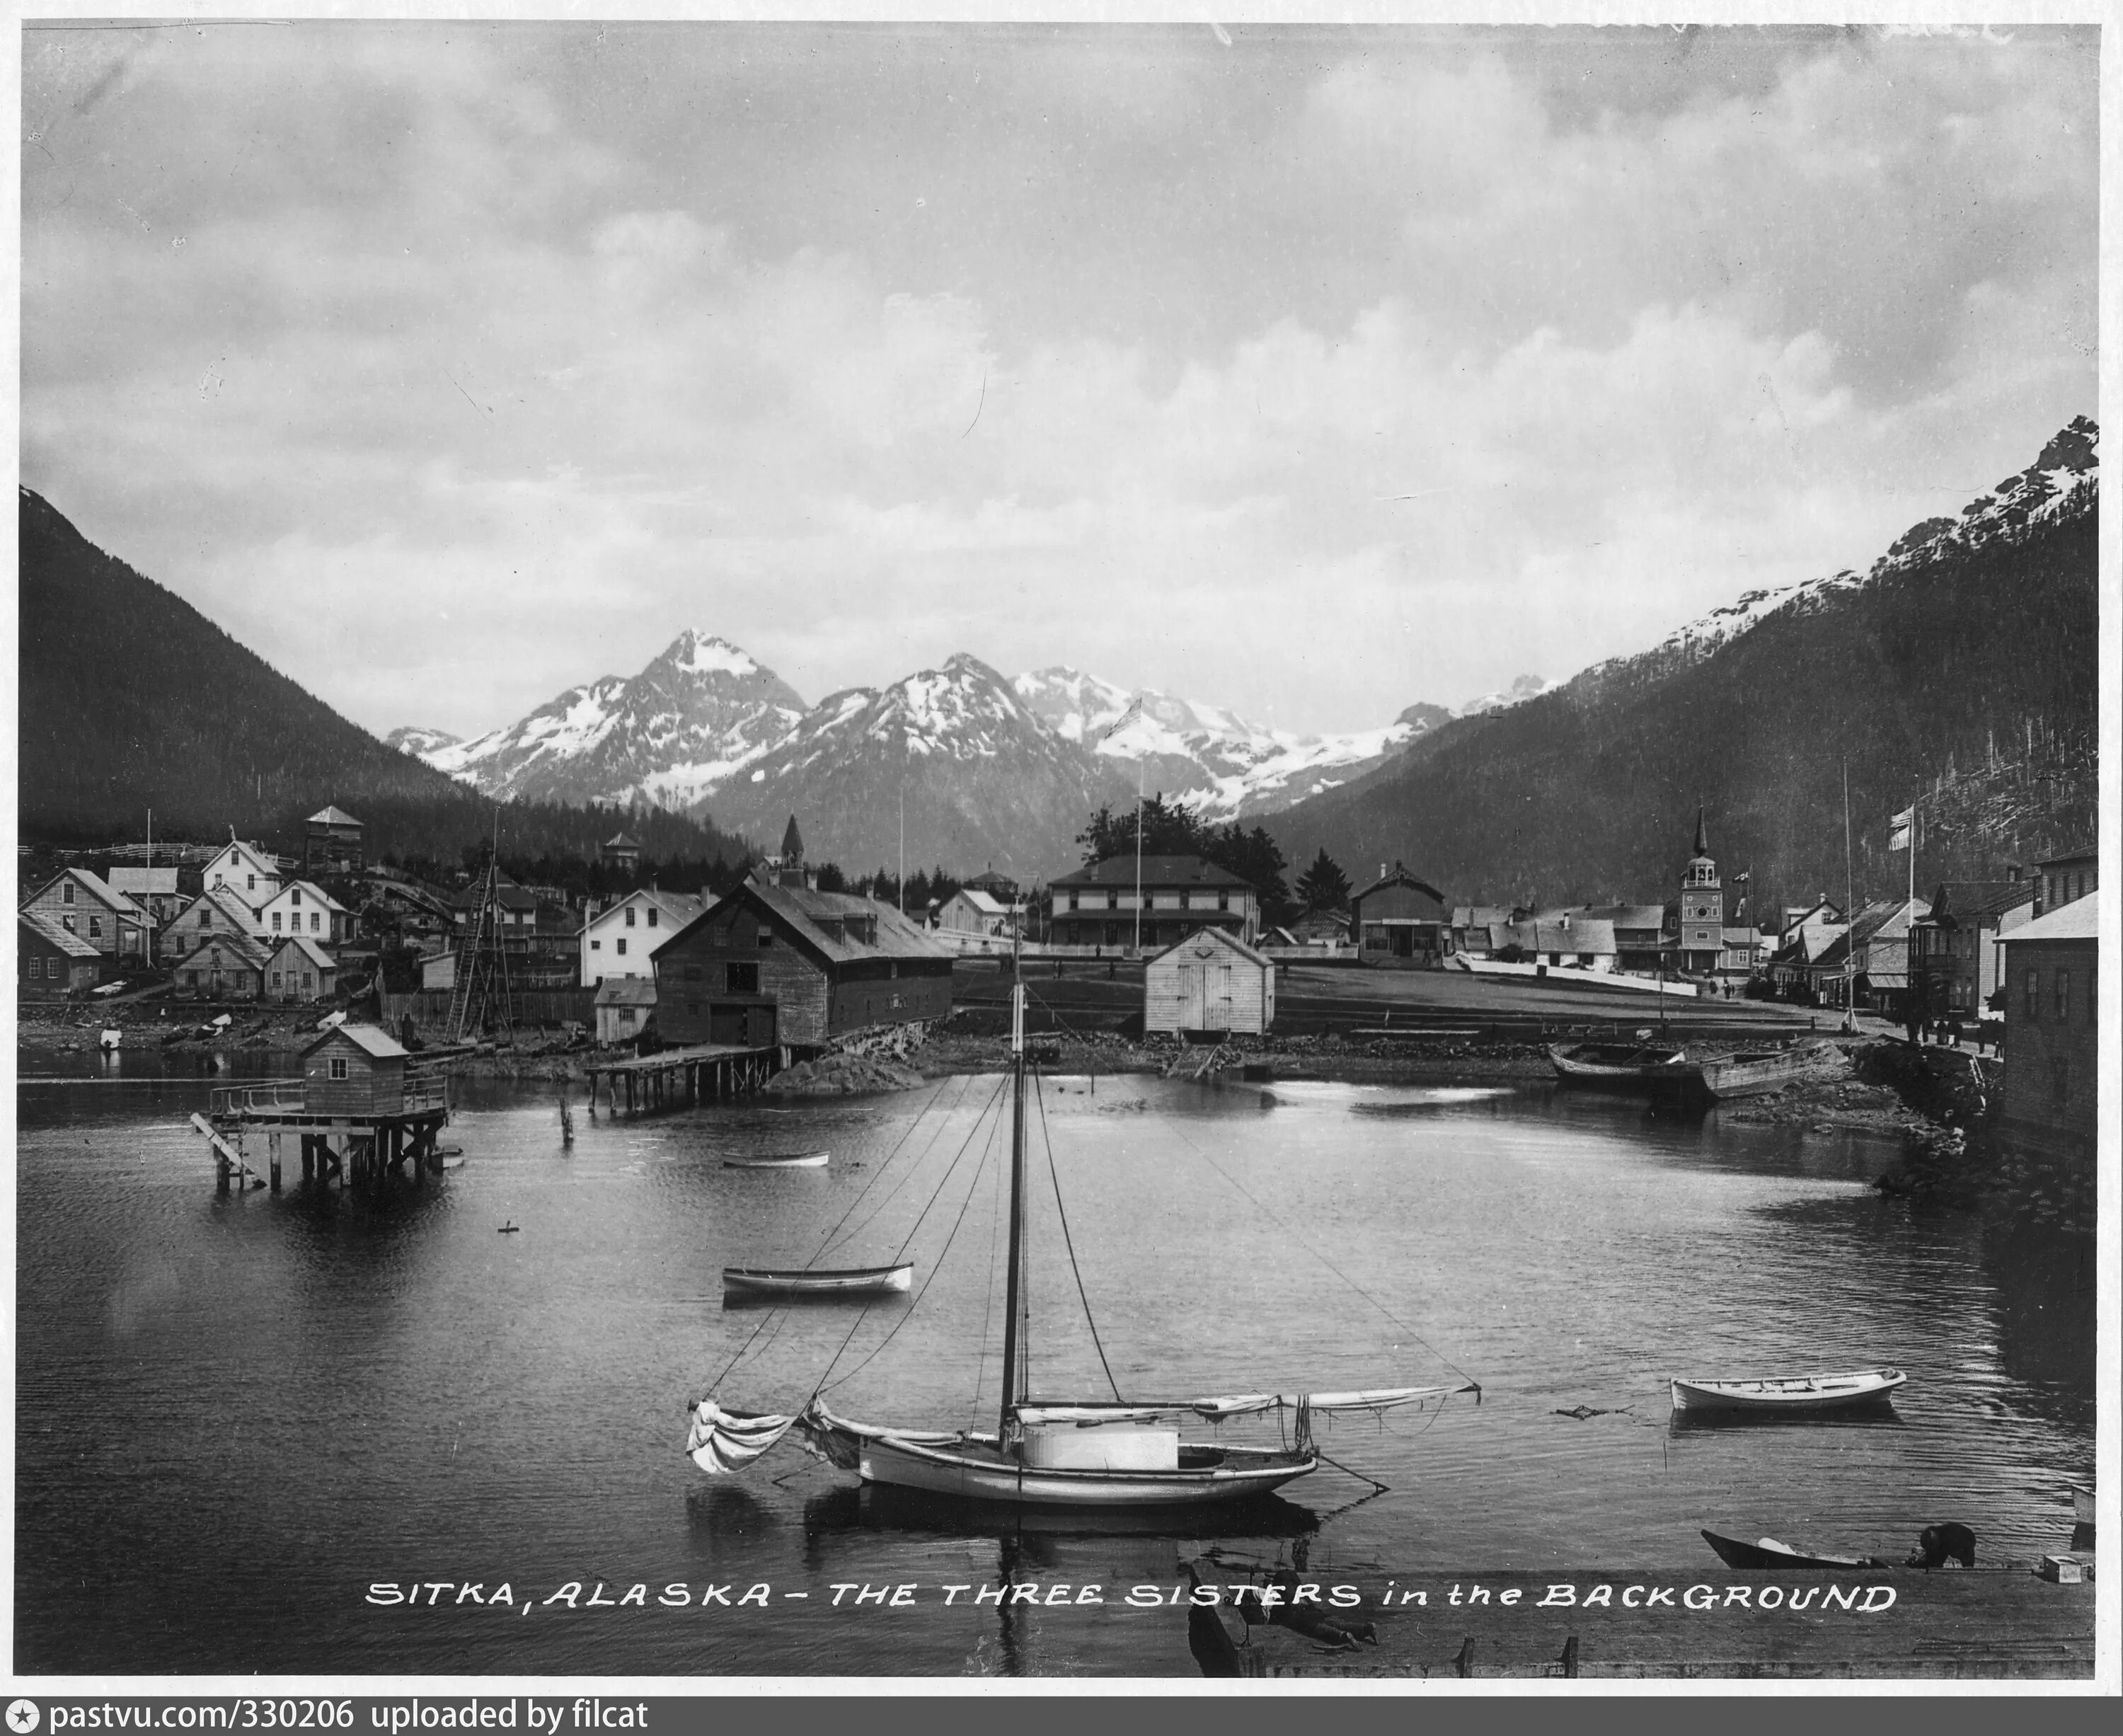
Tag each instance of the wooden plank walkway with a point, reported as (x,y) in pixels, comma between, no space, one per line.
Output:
(2002,1622)
(674,1078)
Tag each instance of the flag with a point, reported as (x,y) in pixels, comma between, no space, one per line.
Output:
(1902,828)
(1126,718)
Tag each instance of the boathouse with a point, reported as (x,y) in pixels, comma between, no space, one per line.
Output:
(781,964)
(354,1070)
(2052,1054)
(1400,921)
(623,1007)
(1212,981)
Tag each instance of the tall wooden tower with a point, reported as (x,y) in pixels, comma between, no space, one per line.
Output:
(1702,908)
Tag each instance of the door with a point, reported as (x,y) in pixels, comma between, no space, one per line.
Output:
(759,1021)
(1220,1002)
(727,1025)
(1194,979)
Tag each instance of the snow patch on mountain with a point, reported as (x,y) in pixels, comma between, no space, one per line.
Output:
(418,741)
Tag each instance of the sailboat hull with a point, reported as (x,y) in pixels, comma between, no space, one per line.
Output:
(984,1474)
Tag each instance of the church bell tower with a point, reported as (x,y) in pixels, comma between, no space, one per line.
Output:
(1702,910)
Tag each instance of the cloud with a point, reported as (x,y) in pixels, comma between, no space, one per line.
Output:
(485,363)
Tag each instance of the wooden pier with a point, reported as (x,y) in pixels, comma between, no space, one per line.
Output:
(678,1077)
(353,1146)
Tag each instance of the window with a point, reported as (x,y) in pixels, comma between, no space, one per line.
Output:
(339,1067)
(2033,1008)
(249,883)
(1223,901)
(313,922)
(309,981)
(693,1008)
(619,946)
(66,892)
(295,897)
(765,935)
(741,978)
(276,922)
(206,919)
(1113,901)
(597,946)
(2063,996)
(67,923)
(1072,900)
(651,916)
(630,916)
(96,928)
(276,979)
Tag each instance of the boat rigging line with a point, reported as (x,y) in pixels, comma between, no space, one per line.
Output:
(833,1235)
(1067,1242)
(825,1381)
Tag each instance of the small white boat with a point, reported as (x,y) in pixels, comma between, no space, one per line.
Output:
(1790,1395)
(842,1281)
(779,1160)
(110,1039)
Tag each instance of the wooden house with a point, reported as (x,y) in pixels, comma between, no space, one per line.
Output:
(251,873)
(1399,922)
(621,939)
(332,843)
(623,1006)
(622,851)
(223,967)
(218,911)
(299,969)
(2064,879)
(1099,906)
(972,922)
(303,908)
(2052,1051)
(153,889)
(1954,954)
(1212,981)
(786,964)
(86,906)
(357,1070)
(50,961)
(1328,930)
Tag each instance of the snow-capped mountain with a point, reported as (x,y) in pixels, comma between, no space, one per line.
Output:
(419,742)
(984,779)
(1219,763)
(2061,482)
(700,713)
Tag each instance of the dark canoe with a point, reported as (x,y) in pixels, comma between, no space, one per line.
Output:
(1623,1066)
(778,1160)
(1770,1553)
(844,1281)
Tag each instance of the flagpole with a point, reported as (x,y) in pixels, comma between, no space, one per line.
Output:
(1141,761)
(1849,915)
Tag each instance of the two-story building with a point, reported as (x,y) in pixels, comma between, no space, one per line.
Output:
(777,964)
(299,969)
(251,873)
(1101,906)
(2065,880)
(1399,922)
(2052,1018)
(621,939)
(332,843)
(1955,958)
(228,965)
(83,905)
(302,908)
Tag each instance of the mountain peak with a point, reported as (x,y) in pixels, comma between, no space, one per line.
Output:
(697,652)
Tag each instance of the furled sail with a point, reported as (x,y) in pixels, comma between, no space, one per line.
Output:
(722,1442)
(1245,1404)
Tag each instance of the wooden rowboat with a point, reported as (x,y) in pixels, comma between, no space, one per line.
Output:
(1770,1553)
(845,1281)
(1754,1073)
(1790,1395)
(778,1160)
(1622,1066)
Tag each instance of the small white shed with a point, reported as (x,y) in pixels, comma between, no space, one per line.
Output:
(1209,981)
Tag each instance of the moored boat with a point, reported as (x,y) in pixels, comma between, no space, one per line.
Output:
(1768,1552)
(1622,1066)
(1753,1073)
(779,1160)
(1790,1395)
(749,1281)
(1048,1454)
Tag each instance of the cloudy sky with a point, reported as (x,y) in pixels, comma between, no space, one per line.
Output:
(1307,371)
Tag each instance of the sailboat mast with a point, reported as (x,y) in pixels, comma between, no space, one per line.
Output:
(1010,1372)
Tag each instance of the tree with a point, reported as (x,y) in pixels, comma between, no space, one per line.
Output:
(1168,829)
(1324,886)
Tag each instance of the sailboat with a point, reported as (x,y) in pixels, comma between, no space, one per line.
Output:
(1051,1453)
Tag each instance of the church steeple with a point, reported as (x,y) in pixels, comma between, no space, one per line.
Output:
(1702,842)
(792,845)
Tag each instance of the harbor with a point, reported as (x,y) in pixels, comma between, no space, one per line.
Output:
(421,1360)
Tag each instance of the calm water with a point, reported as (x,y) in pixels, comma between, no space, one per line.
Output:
(236,1414)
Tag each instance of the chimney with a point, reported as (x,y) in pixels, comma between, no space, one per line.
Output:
(1383,871)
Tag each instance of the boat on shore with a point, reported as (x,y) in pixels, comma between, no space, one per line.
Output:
(779,1160)
(1622,1066)
(1768,1552)
(759,1281)
(1756,1072)
(1795,1395)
